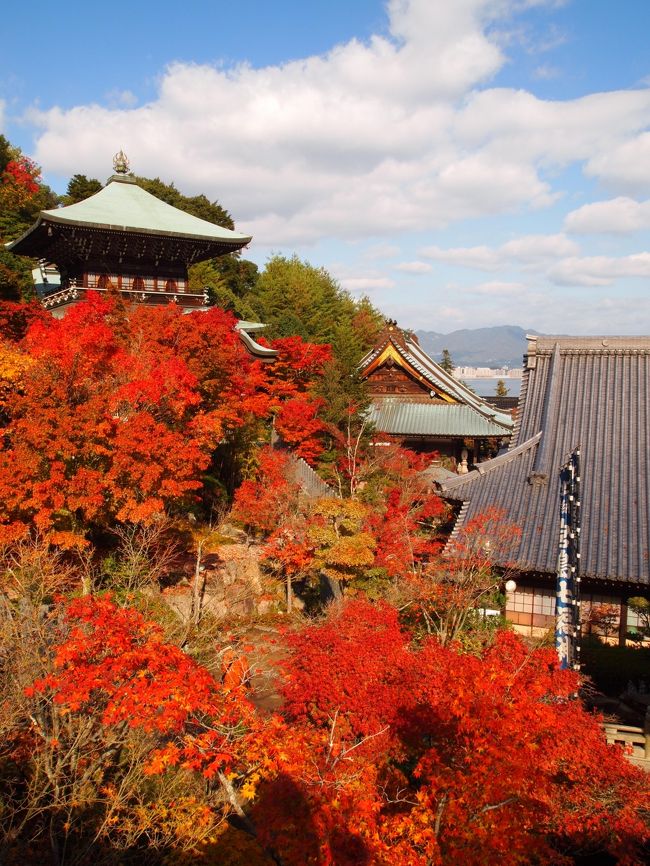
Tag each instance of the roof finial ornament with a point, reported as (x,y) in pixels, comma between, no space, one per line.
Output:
(120,163)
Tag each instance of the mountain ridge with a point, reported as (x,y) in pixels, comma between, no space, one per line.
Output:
(497,346)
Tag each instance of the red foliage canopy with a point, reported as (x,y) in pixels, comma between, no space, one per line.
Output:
(120,413)
(423,755)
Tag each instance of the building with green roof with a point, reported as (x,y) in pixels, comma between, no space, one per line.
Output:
(418,404)
(122,239)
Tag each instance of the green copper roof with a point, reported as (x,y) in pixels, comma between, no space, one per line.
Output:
(123,206)
(403,416)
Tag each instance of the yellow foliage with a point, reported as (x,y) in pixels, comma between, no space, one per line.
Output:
(13,365)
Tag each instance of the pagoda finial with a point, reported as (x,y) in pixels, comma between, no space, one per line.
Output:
(120,163)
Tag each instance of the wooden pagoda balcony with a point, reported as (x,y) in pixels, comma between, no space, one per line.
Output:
(78,289)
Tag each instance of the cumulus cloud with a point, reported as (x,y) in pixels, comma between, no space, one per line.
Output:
(357,285)
(626,166)
(599,270)
(401,133)
(414,267)
(617,216)
(528,250)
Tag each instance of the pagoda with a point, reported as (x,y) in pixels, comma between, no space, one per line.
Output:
(125,240)
(415,402)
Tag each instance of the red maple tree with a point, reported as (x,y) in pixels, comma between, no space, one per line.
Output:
(425,755)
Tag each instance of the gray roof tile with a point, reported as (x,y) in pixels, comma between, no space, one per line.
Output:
(587,392)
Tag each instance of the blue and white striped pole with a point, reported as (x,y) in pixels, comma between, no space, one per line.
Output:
(567,597)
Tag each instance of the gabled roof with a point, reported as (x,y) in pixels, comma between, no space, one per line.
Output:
(586,392)
(124,206)
(459,412)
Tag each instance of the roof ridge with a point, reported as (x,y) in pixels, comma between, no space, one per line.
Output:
(490,465)
(456,388)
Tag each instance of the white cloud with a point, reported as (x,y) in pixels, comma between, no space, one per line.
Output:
(626,166)
(414,267)
(617,216)
(121,99)
(546,72)
(528,250)
(481,258)
(399,134)
(497,288)
(355,285)
(600,270)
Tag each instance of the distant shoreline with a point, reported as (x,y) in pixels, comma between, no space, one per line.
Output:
(486,386)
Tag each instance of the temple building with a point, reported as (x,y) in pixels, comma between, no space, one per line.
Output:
(417,403)
(123,239)
(589,393)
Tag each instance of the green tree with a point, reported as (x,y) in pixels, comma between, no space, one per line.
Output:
(207,275)
(5,153)
(228,278)
(446,362)
(295,297)
(501,390)
(80,187)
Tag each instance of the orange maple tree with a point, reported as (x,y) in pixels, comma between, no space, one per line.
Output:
(120,705)
(117,412)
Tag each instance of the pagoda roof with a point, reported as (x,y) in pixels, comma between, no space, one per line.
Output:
(589,393)
(409,414)
(123,206)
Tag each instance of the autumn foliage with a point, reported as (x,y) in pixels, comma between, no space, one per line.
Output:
(424,755)
(114,414)
(392,738)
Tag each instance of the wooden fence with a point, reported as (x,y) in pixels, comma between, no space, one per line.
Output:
(636,738)
(309,481)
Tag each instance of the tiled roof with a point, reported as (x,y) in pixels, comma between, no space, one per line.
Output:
(411,417)
(403,416)
(586,392)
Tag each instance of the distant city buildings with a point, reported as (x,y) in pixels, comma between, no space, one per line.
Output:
(488,373)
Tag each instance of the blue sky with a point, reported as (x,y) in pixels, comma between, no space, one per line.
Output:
(465,163)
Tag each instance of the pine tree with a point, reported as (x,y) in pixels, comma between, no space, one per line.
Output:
(446,362)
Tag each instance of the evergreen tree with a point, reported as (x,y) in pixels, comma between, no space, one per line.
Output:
(199,205)
(501,390)
(80,187)
(446,362)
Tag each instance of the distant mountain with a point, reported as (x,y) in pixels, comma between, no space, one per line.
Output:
(501,346)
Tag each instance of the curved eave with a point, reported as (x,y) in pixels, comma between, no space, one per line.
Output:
(460,487)
(235,243)
(425,371)
(263,352)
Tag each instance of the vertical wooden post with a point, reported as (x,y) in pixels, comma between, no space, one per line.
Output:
(622,622)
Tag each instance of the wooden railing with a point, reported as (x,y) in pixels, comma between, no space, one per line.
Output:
(638,739)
